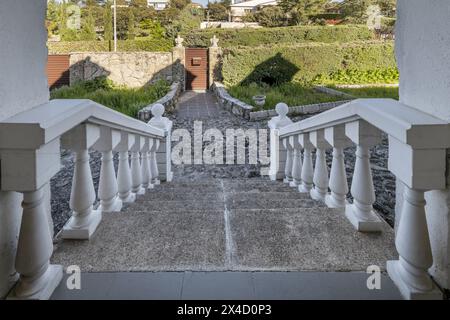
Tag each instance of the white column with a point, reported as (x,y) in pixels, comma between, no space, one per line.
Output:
(124,172)
(277,152)
(338,178)
(107,188)
(307,168)
(136,170)
(296,162)
(410,272)
(320,177)
(84,220)
(361,213)
(289,161)
(154,164)
(145,165)
(149,163)
(38,278)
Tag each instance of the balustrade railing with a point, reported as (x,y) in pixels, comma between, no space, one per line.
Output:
(30,145)
(417,158)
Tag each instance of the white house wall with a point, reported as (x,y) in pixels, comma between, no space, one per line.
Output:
(423,57)
(23,84)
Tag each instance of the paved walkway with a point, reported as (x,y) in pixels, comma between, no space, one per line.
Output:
(197,105)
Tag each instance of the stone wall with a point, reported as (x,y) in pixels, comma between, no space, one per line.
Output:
(133,69)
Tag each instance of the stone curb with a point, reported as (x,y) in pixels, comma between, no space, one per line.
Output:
(233,105)
(169,101)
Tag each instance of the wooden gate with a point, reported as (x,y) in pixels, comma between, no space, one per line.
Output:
(196,69)
(58,73)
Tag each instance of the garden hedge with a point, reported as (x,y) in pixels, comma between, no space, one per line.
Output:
(304,62)
(271,36)
(63,47)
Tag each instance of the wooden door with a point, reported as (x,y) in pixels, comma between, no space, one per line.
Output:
(58,70)
(196,69)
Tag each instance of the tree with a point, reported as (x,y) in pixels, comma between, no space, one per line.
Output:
(52,17)
(88,29)
(108,32)
(218,11)
(387,7)
(356,10)
(299,11)
(179,4)
(270,16)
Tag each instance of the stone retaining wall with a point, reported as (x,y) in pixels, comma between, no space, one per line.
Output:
(245,110)
(133,69)
(169,101)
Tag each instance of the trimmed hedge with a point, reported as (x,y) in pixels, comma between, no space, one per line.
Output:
(271,36)
(304,62)
(163,45)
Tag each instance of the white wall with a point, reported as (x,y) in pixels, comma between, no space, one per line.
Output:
(23,84)
(423,57)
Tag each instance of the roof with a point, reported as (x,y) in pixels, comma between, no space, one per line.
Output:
(254,3)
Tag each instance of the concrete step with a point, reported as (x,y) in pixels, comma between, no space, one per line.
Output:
(273,195)
(174,195)
(175,205)
(261,203)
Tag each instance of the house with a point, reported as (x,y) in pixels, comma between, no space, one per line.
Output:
(239,10)
(158,4)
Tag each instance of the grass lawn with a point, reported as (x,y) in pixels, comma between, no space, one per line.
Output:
(371,92)
(293,94)
(126,100)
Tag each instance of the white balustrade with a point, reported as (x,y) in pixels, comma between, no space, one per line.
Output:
(296,162)
(361,213)
(136,170)
(338,178)
(307,168)
(30,157)
(84,220)
(107,187)
(154,163)
(320,178)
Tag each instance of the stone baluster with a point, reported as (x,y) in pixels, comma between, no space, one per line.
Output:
(107,187)
(412,241)
(361,213)
(289,161)
(145,164)
(38,278)
(338,178)
(320,177)
(84,220)
(136,170)
(307,168)
(296,162)
(124,172)
(154,163)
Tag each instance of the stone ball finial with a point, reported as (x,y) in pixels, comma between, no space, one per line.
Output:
(282,109)
(158,110)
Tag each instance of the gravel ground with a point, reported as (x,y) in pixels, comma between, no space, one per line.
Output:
(384,181)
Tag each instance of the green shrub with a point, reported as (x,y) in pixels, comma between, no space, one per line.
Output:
(371,92)
(282,35)
(304,63)
(126,100)
(352,76)
(62,47)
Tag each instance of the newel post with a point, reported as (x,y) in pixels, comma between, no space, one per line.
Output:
(29,171)
(361,213)
(84,220)
(161,152)
(278,153)
(419,170)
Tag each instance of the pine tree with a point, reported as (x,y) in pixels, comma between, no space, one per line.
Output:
(88,29)
(108,32)
(131,30)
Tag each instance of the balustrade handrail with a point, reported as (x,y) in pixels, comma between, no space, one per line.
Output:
(408,125)
(35,127)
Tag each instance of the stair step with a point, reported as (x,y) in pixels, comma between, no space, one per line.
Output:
(261,203)
(175,195)
(273,195)
(175,205)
